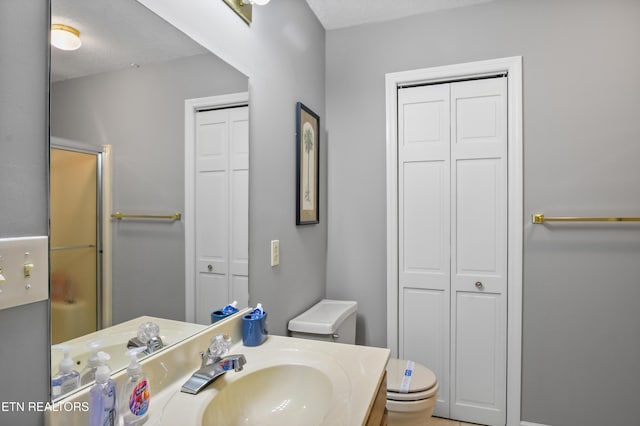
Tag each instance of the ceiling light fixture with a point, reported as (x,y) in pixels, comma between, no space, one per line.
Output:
(244,7)
(65,37)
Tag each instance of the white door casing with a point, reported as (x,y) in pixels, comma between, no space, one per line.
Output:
(513,238)
(216,204)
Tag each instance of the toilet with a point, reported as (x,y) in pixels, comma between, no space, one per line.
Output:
(412,388)
(328,320)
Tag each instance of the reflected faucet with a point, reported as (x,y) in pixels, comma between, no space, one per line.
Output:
(211,368)
(152,344)
(149,336)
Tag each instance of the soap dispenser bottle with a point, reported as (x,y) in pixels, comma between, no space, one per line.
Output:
(88,373)
(102,396)
(134,397)
(67,379)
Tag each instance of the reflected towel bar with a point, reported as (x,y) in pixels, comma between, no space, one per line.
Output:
(83,246)
(120,215)
(540,219)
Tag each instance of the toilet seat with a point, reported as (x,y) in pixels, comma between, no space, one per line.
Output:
(407,381)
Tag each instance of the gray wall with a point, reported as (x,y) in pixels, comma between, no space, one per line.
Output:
(581,288)
(24,351)
(282,52)
(288,67)
(140,112)
(286,53)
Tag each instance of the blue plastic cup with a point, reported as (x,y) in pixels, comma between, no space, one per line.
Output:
(254,330)
(218,315)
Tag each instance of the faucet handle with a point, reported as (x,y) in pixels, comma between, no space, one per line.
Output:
(204,357)
(239,363)
(235,362)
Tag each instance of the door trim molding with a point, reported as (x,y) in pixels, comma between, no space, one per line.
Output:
(191,107)
(515,228)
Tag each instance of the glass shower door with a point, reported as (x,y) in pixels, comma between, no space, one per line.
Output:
(74,233)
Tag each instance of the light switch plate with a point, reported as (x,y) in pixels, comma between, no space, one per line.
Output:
(275,252)
(24,263)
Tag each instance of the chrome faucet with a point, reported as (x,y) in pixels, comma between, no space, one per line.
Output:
(152,345)
(210,369)
(149,336)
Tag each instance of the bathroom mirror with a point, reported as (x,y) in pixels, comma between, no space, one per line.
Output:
(118,139)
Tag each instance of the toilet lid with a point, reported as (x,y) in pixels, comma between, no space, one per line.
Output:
(408,377)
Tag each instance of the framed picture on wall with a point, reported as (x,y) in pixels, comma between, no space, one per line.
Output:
(307,166)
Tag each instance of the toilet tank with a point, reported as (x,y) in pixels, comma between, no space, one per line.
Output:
(328,320)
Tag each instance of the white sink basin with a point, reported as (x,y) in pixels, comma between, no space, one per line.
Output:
(279,386)
(279,395)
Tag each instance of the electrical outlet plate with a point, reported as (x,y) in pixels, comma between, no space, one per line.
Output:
(25,267)
(275,252)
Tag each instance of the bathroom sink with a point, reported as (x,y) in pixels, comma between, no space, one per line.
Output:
(279,395)
(285,381)
(278,386)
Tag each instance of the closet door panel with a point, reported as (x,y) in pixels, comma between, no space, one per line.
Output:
(424,236)
(424,198)
(425,337)
(211,287)
(221,210)
(479,358)
(479,251)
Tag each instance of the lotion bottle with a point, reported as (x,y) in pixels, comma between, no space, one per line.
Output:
(102,396)
(135,394)
(88,374)
(67,379)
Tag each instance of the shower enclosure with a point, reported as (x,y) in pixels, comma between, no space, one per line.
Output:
(75,238)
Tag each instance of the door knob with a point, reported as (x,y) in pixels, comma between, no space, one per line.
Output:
(479,285)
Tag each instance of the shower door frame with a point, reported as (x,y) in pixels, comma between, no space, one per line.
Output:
(103,223)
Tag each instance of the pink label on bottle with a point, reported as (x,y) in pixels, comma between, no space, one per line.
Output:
(139,399)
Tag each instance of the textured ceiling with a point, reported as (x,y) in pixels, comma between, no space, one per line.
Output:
(115,34)
(335,14)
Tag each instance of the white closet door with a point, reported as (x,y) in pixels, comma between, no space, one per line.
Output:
(221,211)
(424,230)
(239,203)
(479,251)
(452,178)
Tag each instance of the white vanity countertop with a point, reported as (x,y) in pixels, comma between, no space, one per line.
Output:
(355,373)
(359,371)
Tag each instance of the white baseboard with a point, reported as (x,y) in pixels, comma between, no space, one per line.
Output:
(532,424)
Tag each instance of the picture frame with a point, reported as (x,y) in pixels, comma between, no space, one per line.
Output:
(307,166)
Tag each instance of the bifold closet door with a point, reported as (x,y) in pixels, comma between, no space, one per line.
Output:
(424,220)
(221,213)
(452,242)
(479,251)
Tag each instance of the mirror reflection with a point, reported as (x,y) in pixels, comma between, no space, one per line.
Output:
(118,144)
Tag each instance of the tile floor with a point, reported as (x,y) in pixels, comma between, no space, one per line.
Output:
(437,421)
